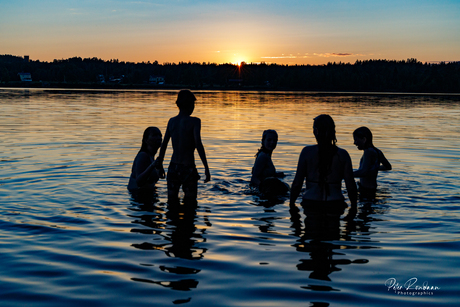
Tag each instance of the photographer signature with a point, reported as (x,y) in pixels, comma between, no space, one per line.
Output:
(410,284)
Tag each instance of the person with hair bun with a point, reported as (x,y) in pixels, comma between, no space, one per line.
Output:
(323,167)
(264,174)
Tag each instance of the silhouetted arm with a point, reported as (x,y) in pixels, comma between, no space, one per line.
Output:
(350,184)
(200,148)
(384,164)
(298,179)
(145,170)
(161,155)
(350,181)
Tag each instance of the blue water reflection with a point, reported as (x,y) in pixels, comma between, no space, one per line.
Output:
(71,234)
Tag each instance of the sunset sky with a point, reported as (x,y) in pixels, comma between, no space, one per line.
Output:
(230,31)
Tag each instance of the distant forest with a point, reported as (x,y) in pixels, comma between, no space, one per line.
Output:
(368,76)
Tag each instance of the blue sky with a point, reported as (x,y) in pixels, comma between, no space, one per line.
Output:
(285,32)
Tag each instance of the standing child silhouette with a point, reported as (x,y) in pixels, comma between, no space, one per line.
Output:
(185,134)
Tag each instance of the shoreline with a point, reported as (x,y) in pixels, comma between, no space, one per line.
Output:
(148,88)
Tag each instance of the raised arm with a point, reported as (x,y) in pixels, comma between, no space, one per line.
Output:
(200,148)
(299,178)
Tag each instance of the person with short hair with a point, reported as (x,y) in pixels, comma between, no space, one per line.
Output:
(185,134)
(371,162)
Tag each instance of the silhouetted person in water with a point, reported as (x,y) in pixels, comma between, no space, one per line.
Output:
(371,162)
(185,133)
(264,173)
(323,167)
(145,173)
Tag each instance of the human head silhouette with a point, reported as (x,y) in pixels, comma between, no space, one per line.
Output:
(151,139)
(186,101)
(269,134)
(324,130)
(365,135)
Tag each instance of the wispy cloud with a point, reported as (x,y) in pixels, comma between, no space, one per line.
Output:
(336,54)
(290,56)
(307,55)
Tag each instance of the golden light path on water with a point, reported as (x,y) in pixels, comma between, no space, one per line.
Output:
(71,231)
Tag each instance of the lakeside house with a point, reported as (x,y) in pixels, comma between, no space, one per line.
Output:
(25,76)
(119,79)
(160,80)
(237,82)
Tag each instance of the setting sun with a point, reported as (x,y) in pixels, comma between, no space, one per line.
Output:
(238,62)
(238,59)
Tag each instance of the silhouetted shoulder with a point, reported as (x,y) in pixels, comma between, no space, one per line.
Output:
(195,119)
(309,149)
(342,153)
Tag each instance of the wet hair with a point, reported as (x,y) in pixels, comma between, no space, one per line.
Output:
(325,136)
(364,132)
(264,136)
(185,98)
(325,130)
(147,133)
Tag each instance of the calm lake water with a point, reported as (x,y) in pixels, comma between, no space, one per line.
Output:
(71,235)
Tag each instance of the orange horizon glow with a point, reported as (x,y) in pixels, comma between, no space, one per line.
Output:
(237,63)
(252,31)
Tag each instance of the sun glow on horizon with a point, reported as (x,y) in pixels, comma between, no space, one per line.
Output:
(239,62)
(238,59)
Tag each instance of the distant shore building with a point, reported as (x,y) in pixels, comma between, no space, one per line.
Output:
(26,58)
(234,82)
(25,76)
(119,79)
(160,80)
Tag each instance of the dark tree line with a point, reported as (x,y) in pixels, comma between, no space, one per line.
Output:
(370,75)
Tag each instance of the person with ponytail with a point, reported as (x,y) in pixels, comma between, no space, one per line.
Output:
(323,167)
(264,174)
(371,162)
(145,172)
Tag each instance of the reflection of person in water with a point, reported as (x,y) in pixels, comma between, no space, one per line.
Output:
(324,166)
(144,173)
(174,233)
(185,237)
(316,239)
(264,175)
(179,236)
(185,133)
(371,162)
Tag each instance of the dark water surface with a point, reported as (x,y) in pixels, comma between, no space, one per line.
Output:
(71,235)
